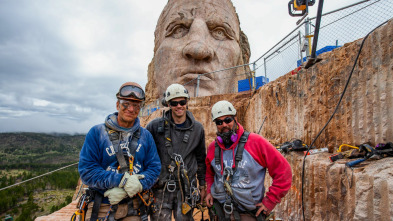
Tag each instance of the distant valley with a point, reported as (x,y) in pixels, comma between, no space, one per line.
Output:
(27,155)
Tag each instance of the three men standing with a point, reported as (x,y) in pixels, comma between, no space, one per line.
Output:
(120,159)
(180,141)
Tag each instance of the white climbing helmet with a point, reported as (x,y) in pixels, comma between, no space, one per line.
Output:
(174,91)
(222,108)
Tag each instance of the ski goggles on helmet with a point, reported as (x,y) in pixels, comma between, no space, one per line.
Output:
(130,92)
(227,120)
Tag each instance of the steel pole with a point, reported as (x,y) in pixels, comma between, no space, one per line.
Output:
(197,89)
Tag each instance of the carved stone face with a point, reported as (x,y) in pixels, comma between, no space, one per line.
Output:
(196,37)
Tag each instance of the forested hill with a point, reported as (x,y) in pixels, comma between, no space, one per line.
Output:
(38,148)
(27,155)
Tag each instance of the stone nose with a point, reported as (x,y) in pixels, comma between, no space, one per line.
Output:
(198,47)
(198,50)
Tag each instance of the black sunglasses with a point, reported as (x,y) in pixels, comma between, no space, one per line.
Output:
(227,120)
(175,103)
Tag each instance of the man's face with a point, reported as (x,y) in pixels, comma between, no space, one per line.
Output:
(225,123)
(128,112)
(178,110)
(198,37)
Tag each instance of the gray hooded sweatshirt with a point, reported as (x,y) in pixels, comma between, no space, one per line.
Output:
(193,152)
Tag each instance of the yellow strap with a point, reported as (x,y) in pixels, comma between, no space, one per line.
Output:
(346,145)
(131,161)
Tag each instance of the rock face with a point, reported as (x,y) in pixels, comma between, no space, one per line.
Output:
(64,214)
(303,105)
(299,106)
(195,37)
(333,191)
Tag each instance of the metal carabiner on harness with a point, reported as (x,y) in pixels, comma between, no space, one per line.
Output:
(171,183)
(228,207)
(171,186)
(195,194)
(81,208)
(228,172)
(81,202)
(178,160)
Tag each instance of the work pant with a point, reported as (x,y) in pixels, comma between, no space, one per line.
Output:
(219,214)
(168,202)
(245,217)
(121,212)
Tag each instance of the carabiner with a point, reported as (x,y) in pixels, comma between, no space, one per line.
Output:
(228,208)
(179,159)
(171,186)
(81,202)
(228,172)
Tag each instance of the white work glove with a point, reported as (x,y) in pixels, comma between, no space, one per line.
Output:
(131,184)
(115,195)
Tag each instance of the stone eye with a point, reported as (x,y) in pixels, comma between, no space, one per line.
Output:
(219,34)
(178,31)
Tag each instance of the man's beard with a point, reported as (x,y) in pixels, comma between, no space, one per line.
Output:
(226,137)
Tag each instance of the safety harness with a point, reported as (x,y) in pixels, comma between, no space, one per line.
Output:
(231,204)
(143,202)
(190,195)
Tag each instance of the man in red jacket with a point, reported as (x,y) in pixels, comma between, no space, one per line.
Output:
(236,164)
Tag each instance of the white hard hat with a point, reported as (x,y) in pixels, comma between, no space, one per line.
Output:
(174,91)
(222,108)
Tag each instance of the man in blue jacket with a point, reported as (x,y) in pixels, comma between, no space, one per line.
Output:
(119,161)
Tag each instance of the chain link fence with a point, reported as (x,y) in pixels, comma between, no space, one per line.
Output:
(338,27)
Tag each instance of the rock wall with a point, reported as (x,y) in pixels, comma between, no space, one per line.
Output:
(298,106)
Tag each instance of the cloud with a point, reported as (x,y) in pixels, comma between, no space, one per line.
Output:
(61,62)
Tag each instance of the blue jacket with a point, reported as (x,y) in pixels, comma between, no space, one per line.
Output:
(98,163)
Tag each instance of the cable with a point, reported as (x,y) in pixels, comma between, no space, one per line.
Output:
(335,110)
(16,184)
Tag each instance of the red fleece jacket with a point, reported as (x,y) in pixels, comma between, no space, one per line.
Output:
(266,155)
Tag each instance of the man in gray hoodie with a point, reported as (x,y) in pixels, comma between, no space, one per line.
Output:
(180,141)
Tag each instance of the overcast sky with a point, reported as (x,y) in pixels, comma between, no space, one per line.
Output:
(61,62)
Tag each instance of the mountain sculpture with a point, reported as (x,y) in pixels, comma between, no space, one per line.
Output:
(193,38)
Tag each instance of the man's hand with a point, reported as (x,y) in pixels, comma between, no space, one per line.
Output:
(115,195)
(131,184)
(209,200)
(203,194)
(262,208)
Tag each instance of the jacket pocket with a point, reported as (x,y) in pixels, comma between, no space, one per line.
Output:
(218,191)
(244,196)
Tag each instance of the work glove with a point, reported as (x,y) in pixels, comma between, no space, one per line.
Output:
(131,184)
(115,195)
